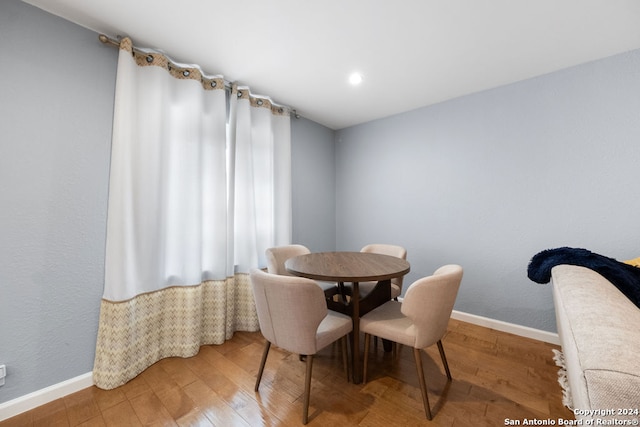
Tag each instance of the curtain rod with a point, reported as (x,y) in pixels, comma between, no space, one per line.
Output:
(116,43)
(108,40)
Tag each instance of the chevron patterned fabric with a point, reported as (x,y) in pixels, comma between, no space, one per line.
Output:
(172,322)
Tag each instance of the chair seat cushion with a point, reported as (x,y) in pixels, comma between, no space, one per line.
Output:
(388,322)
(332,327)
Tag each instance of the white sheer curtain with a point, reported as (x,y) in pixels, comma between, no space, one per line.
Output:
(167,219)
(199,187)
(262,177)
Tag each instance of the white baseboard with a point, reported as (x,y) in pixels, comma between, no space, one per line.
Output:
(40,397)
(511,328)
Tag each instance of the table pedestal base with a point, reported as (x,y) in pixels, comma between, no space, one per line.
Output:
(356,308)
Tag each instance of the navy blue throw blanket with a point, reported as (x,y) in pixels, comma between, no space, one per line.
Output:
(623,276)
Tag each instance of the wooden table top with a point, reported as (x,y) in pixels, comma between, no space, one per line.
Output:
(347,266)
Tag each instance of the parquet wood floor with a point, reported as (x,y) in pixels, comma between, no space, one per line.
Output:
(496,377)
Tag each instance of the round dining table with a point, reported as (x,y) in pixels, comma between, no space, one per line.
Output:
(352,267)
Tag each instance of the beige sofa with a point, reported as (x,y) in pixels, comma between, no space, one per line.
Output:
(599,331)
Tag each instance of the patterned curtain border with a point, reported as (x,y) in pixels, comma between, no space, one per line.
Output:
(145,58)
(172,322)
(258,101)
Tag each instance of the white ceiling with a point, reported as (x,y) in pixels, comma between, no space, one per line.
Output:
(411,53)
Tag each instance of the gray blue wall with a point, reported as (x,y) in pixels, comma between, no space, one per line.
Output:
(314,186)
(57,85)
(489,180)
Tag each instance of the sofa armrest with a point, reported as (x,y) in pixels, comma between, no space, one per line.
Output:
(599,330)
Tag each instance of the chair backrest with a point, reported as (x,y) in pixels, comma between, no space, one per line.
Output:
(290,309)
(429,302)
(278,255)
(391,250)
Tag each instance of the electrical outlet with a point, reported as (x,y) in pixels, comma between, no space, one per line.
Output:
(3,373)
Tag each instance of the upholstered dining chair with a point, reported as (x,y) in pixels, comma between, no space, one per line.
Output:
(391,250)
(384,249)
(293,315)
(419,321)
(277,256)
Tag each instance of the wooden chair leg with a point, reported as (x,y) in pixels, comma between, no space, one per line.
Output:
(444,360)
(423,385)
(262,363)
(307,389)
(345,355)
(367,342)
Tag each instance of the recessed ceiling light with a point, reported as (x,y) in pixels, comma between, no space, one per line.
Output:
(355,79)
